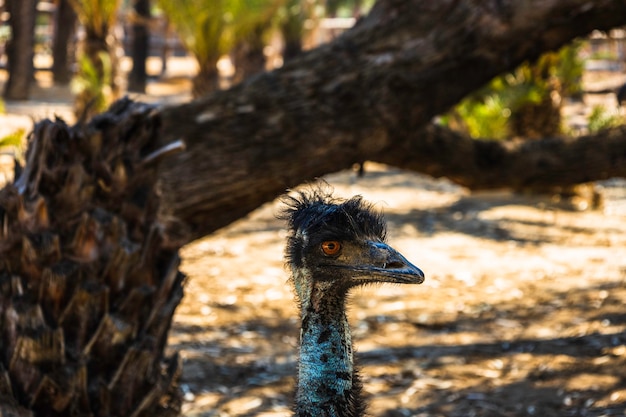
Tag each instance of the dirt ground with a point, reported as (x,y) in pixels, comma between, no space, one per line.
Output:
(521,314)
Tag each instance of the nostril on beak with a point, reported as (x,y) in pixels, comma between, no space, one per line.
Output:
(393,265)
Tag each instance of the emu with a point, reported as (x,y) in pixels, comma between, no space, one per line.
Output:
(334,246)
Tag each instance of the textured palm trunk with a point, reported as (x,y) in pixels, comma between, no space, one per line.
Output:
(87,289)
(63,46)
(207,80)
(140,47)
(20,48)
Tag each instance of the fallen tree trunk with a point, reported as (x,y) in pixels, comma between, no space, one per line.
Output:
(518,164)
(363,97)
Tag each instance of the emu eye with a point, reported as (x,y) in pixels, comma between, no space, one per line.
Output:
(331,247)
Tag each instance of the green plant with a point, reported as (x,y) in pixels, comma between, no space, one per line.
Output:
(487,118)
(524,102)
(600,118)
(14,143)
(569,69)
(96,84)
(98,16)
(211,28)
(92,84)
(14,139)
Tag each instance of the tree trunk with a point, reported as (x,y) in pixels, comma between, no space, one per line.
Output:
(87,292)
(248,55)
(20,48)
(140,47)
(207,80)
(292,29)
(63,46)
(362,97)
(519,164)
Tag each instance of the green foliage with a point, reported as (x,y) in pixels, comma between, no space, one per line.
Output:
(210,28)
(486,118)
(15,143)
(14,140)
(98,16)
(346,8)
(95,83)
(600,119)
(489,112)
(92,84)
(569,69)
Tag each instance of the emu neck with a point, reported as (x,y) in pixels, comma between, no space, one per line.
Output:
(327,382)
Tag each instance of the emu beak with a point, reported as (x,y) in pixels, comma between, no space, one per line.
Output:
(386,264)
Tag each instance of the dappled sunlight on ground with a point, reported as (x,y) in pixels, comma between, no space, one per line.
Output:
(521,312)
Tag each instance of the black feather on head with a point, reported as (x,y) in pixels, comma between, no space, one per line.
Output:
(314,212)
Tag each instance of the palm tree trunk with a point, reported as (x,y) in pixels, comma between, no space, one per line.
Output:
(20,48)
(207,80)
(99,63)
(248,55)
(292,30)
(63,47)
(87,288)
(140,47)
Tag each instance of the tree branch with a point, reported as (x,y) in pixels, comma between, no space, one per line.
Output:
(351,100)
(489,164)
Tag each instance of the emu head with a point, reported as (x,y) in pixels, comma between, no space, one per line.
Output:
(340,244)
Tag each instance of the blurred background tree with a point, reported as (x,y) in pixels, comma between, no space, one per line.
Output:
(96,83)
(20,48)
(63,43)
(140,46)
(210,29)
(292,17)
(523,103)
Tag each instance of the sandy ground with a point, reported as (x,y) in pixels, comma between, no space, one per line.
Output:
(521,314)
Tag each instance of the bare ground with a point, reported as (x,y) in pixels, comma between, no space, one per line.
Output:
(521,314)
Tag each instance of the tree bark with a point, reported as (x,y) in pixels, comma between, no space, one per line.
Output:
(87,292)
(140,47)
(518,164)
(20,48)
(361,97)
(63,46)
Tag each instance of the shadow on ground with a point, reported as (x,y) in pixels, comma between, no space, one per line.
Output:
(521,313)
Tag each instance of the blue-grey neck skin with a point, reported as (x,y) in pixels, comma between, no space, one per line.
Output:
(327,382)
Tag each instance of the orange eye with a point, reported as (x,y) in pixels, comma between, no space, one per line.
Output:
(331,247)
